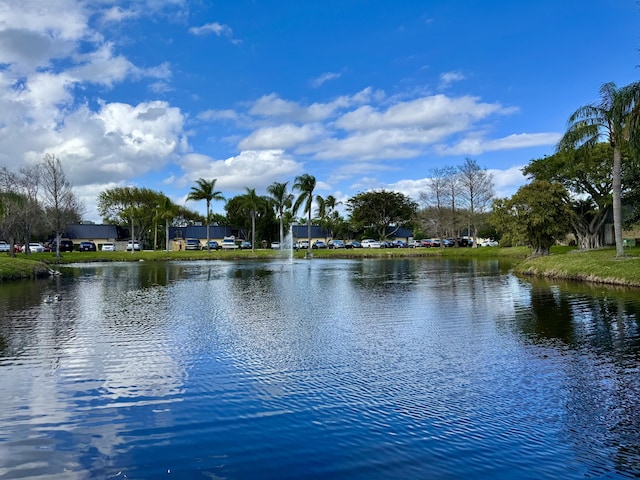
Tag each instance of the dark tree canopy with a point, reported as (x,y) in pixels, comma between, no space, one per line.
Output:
(381,209)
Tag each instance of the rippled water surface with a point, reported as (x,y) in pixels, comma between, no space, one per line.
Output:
(359,369)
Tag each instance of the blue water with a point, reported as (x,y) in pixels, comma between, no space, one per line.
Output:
(358,369)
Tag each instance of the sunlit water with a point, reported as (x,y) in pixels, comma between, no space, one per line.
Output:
(315,369)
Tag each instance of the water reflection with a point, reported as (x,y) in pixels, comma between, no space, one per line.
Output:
(409,368)
(595,338)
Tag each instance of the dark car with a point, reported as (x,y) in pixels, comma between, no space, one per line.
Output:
(87,247)
(353,244)
(318,244)
(400,244)
(213,245)
(65,246)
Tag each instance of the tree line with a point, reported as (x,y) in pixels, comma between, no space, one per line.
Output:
(590,179)
(258,217)
(39,202)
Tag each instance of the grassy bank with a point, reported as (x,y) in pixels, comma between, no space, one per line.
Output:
(599,266)
(567,263)
(20,268)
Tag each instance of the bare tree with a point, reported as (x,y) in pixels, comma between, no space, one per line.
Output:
(11,203)
(27,212)
(476,193)
(62,207)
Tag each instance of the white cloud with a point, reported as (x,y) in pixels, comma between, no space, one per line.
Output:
(252,168)
(275,108)
(216,28)
(456,113)
(118,142)
(325,77)
(280,137)
(447,78)
(507,182)
(475,144)
(209,115)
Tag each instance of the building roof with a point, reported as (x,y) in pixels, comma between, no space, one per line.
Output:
(200,231)
(90,230)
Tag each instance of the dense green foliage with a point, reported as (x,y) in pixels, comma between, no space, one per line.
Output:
(381,210)
(538,214)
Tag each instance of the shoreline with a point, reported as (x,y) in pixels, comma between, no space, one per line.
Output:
(566,263)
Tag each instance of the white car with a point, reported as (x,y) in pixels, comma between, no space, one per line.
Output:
(370,243)
(4,246)
(36,247)
(275,245)
(229,243)
(302,244)
(108,247)
(488,243)
(133,245)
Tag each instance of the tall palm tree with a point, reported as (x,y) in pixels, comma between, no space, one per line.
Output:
(166,211)
(253,204)
(205,190)
(609,118)
(305,184)
(281,200)
(327,211)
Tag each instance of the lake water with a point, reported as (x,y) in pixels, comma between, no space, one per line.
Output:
(316,369)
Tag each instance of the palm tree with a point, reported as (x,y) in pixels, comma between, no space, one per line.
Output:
(281,200)
(327,211)
(166,210)
(254,204)
(305,184)
(205,190)
(611,118)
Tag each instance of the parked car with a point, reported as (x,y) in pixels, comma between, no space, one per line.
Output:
(275,245)
(353,244)
(370,243)
(87,247)
(35,247)
(431,242)
(335,244)
(245,245)
(108,247)
(66,245)
(302,245)
(213,245)
(386,244)
(318,244)
(400,244)
(465,242)
(135,246)
(192,244)
(488,243)
(229,243)
(4,246)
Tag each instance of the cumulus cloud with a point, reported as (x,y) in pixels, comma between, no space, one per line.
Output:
(251,168)
(280,137)
(119,141)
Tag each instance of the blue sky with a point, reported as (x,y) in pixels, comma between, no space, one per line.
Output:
(360,94)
